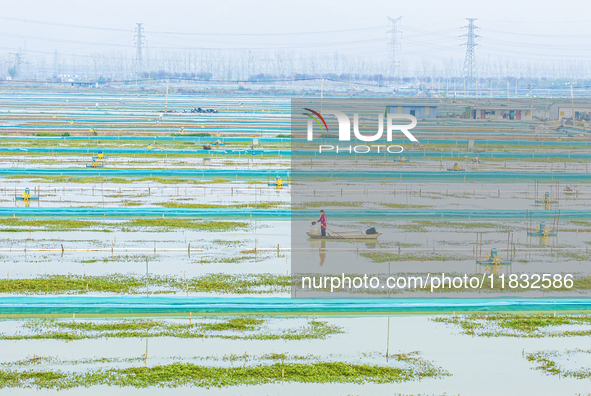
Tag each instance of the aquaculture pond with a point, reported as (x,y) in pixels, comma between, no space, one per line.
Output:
(285,355)
(155,251)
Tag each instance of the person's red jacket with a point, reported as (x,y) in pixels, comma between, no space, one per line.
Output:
(322,221)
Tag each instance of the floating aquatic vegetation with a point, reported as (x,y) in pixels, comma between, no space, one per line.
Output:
(134,284)
(331,204)
(404,206)
(127,258)
(210,225)
(258,205)
(25,225)
(47,225)
(233,260)
(189,374)
(384,257)
(241,328)
(548,363)
(114,180)
(526,326)
(228,243)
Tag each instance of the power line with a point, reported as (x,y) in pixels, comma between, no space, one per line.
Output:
(62,24)
(557,36)
(290,46)
(545,23)
(56,71)
(18,61)
(470,60)
(394,45)
(138,48)
(189,33)
(270,34)
(68,41)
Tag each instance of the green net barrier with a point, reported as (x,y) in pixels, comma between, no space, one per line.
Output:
(312,176)
(277,305)
(286,214)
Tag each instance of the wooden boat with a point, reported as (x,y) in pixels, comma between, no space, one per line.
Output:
(357,235)
(570,190)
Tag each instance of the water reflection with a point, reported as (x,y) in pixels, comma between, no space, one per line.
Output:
(322,252)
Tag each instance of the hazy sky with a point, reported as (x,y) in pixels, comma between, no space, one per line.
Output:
(525,30)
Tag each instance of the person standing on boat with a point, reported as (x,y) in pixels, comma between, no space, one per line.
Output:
(322,221)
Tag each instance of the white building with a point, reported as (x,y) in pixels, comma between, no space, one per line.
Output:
(500,113)
(558,111)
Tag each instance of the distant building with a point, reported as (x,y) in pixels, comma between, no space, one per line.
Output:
(406,91)
(558,111)
(84,84)
(421,111)
(68,77)
(500,113)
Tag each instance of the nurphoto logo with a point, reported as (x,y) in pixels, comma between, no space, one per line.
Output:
(345,130)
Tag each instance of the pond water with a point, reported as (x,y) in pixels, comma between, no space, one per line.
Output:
(473,362)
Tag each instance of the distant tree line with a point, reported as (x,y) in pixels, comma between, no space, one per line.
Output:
(261,66)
